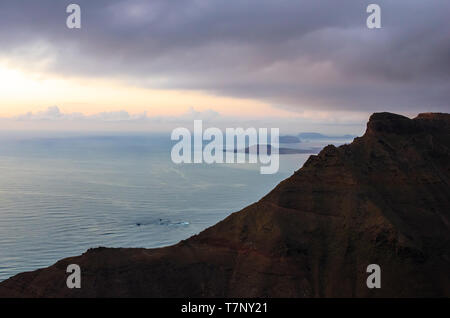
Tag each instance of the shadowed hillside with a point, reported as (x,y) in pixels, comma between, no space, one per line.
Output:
(384,199)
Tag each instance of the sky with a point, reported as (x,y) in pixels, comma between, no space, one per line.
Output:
(298,64)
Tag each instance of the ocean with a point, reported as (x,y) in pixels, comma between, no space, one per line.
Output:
(63,194)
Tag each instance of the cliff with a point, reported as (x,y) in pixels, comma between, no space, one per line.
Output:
(383,199)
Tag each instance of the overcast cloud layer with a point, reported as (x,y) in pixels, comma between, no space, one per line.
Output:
(293,54)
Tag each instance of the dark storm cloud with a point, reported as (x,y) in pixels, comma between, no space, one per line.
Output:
(293,54)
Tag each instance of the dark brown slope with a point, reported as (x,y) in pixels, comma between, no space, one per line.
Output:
(383,199)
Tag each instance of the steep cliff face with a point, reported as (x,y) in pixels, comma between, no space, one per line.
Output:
(384,199)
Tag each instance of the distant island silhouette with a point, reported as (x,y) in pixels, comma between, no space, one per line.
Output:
(256,149)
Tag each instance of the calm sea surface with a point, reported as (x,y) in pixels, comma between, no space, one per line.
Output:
(60,196)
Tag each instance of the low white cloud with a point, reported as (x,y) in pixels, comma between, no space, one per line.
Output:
(121,121)
(53,113)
